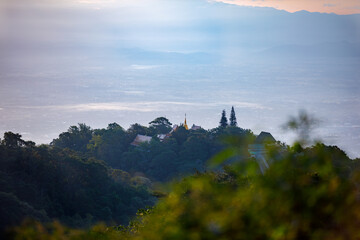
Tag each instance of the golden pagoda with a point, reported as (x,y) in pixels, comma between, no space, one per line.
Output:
(185,124)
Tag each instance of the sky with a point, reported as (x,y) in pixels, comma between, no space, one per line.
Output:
(323,6)
(98,62)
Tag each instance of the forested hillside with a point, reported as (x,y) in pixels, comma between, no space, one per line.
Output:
(86,176)
(90,175)
(182,152)
(309,193)
(45,183)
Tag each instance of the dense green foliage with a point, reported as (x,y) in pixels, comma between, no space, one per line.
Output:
(47,183)
(307,193)
(89,175)
(182,153)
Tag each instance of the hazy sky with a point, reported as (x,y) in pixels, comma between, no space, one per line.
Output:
(325,6)
(102,61)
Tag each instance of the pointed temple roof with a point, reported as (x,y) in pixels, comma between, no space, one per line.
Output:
(185,124)
(264,137)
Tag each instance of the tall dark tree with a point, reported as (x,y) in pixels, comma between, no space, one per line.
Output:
(233,122)
(161,125)
(76,138)
(181,134)
(223,120)
(12,140)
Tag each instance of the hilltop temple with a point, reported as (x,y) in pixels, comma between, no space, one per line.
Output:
(185,124)
(258,149)
(194,127)
(146,139)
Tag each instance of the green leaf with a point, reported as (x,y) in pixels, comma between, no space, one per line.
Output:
(222,157)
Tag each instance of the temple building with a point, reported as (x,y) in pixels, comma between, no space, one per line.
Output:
(195,127)
(185,124)
(141,139)
(146,139)
(258,149)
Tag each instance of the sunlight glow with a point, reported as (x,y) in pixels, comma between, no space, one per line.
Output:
(323,6)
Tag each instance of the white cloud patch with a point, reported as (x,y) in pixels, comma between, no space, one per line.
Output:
(151,106)
(249,105)
(143,67)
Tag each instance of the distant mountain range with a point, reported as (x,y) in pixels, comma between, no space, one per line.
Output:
(229,30)
(179,31)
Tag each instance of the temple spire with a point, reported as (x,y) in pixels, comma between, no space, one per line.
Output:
(185,124)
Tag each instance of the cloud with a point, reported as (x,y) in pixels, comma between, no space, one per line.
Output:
(149,106)
(143,67)
(249,105)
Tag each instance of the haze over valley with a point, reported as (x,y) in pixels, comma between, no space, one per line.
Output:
(65,63)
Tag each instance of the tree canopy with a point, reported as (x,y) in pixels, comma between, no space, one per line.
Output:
(304,194)
(90,175)
(76,138)
(44,183)
(223,121)
(161,125)
(233,122)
